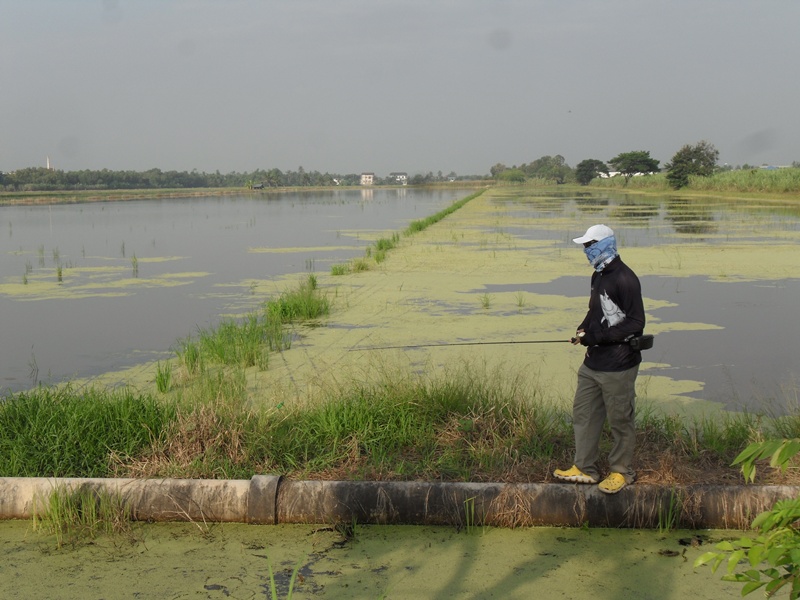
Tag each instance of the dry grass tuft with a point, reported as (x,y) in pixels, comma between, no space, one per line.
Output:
(197,439)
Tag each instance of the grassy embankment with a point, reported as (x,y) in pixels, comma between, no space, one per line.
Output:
(741,182)
(377,252)
(468,425)
(465,424)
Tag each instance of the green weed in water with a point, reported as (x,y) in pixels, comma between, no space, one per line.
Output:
(190,356)
(237,342)
(359,265)
(304,303)
(469,514)
(273,587)
(163,377)
(668,518)
(77,515)
(248,341)
(383,245)
(388,243)
(520,300)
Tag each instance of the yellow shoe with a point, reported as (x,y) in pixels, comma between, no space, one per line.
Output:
(612,484)
(574,474)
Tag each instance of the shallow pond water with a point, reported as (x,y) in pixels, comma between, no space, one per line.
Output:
(748,307)
(180,560)
(755,375)
(90,288)
(720,281)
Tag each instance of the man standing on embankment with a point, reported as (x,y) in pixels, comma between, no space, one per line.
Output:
(607,377)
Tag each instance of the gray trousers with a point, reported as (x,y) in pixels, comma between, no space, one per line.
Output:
(601,395)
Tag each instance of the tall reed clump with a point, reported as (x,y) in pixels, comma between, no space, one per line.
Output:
(62,432)
(163,377)
(77,515)
(233,342)
(382,246)
(190,356)
(304,303)
(247,342)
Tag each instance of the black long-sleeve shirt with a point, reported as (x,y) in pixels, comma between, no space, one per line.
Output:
(616,312)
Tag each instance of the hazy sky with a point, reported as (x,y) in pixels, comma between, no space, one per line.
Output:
(346,86)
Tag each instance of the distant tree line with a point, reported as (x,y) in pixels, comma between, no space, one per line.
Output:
(556,169)
(39,179)
(692,160)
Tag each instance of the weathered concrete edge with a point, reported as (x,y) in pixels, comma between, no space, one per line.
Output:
(270,499)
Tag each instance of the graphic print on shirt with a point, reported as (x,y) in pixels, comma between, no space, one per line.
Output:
(612,314)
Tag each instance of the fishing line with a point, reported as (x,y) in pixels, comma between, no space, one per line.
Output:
(492,343)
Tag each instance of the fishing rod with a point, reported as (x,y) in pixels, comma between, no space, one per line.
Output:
(461,344)
(641,342)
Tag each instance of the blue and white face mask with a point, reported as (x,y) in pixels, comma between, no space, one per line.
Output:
(601,253)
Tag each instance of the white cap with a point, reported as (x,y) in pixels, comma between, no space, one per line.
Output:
(594,233)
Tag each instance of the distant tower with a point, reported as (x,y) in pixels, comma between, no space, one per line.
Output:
(49,168)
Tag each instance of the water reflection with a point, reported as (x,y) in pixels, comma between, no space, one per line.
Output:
(652,220)
(630,212)
(690,217)
(590,203)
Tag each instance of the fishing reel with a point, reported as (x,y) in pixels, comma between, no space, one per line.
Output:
(641,342)
(638,343)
